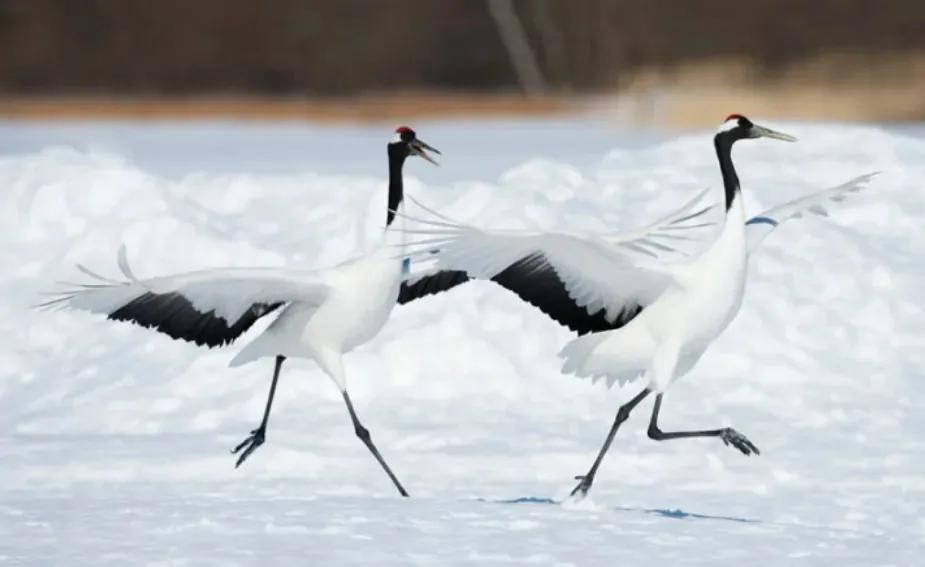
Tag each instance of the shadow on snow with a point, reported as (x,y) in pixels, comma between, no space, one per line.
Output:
(675,514)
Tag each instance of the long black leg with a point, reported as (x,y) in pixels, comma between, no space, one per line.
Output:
(729,435)
(367,440)
(257,436)
(622,414)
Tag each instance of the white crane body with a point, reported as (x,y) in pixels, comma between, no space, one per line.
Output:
(668,337)
(319,314)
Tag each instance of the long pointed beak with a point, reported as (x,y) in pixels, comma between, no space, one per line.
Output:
(420,148)
(768,133)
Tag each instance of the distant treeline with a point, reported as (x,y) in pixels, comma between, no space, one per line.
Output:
(337,47)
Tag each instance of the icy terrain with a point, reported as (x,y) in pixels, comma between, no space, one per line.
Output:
(114,440)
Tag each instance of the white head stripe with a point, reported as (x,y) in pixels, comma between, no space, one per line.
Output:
(396,138)
(729,125)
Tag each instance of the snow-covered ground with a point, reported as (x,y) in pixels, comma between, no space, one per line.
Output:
(114,440)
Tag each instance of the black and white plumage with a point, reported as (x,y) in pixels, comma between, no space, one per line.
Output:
(210,308)
(415,286)
(174,315)
(317,314)
(541,281)
(639,309)
(533,278)
(537,281)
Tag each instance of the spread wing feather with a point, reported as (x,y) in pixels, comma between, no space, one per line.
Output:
(587,283)
(208,307)
(760,226)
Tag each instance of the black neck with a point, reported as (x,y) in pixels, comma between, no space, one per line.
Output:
(396,186)
(723,143)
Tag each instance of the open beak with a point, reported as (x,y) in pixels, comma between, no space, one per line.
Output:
(768,133)
(419,148)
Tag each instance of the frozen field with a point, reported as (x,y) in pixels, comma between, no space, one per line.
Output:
(114,440)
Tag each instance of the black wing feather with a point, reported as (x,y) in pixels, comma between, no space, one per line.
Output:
(535,281)
(175,316)
(429,285)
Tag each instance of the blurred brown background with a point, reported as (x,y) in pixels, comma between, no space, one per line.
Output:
(655,60)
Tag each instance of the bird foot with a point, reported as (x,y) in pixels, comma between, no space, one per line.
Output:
(732,437)
(249,445)
(584,485)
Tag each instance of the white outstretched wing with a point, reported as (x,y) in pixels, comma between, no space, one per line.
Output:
(208,307)
(587,283)
(759,226)
(663,235)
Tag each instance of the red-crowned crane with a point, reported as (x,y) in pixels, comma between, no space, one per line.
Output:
(320,314)
(637,313)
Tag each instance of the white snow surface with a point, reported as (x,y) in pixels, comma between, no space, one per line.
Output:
(114,439)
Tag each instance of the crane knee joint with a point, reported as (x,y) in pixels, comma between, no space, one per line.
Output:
(362,433)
